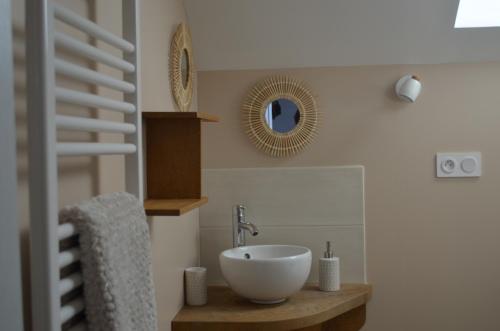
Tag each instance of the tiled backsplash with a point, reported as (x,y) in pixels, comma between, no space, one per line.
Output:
(299,206)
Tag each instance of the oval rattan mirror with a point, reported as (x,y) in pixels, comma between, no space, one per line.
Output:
(181,67)
(280,116)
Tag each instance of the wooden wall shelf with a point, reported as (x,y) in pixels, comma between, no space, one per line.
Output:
(173,161)
(172,207)
(204,117)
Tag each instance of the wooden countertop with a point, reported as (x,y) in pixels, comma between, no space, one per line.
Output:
(227,311)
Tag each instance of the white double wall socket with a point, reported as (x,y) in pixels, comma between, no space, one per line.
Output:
(458,164)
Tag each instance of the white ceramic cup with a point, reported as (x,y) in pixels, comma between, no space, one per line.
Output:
(196,286)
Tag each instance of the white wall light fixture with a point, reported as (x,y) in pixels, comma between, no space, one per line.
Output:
(478,14)
(408,88)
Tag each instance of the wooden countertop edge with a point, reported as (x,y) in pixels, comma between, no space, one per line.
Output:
(321,317)
(278,325)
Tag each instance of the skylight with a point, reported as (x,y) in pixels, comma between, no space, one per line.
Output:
(478,14)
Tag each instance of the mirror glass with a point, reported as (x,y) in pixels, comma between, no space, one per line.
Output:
(185,68)
(282,115)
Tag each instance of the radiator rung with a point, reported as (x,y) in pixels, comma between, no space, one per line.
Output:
(91,52)
(65,231)
(67,284)
(91,100)
(69,256)
(74,149)
(92,125)
(90,76)
(92,29)
(71,309)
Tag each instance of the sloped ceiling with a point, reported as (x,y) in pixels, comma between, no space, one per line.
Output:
(259,34)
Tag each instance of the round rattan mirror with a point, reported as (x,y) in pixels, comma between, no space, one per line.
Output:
(280,116)
(181,67)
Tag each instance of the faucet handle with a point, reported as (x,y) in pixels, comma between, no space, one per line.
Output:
(240,210)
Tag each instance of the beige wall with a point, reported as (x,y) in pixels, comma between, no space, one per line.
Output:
(175,239)
(433,246)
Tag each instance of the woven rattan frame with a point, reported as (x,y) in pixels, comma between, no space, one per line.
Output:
(254,108)
(181,42)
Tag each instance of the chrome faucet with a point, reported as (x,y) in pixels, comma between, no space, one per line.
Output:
(240,225)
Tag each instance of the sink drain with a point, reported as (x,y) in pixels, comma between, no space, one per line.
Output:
(247,256)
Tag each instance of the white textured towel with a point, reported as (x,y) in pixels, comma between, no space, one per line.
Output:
(116,262)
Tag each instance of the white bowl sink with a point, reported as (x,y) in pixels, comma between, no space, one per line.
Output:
(266,273)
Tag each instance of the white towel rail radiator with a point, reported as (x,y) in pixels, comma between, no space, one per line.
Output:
(56,282)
